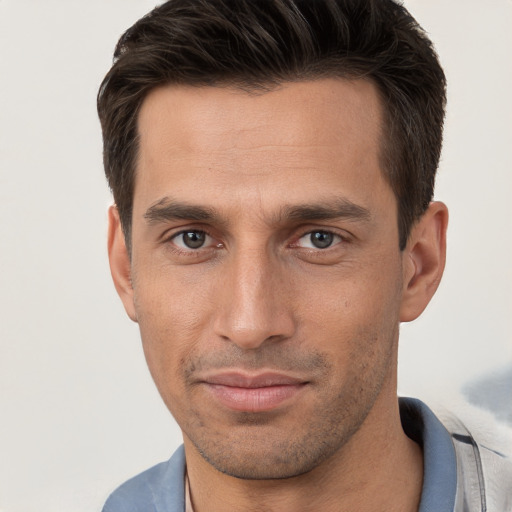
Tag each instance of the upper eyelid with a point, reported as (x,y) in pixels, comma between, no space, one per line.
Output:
(342,239)
(334,231)
(170,233)
(193,230)
(177,248)
(343,234)
(330,231)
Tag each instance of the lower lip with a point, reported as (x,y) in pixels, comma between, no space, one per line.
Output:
(254,399)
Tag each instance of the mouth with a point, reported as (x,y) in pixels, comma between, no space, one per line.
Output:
(253,393)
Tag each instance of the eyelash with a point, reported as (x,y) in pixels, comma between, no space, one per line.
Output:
(200,251)
(190,251)
(342,238)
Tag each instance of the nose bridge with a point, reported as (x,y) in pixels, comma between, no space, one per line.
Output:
(253,306)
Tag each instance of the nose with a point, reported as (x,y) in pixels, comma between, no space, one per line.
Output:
(254,304)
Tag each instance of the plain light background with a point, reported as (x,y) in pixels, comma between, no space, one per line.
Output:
(79,413)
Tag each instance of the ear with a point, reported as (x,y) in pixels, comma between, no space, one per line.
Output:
(119,259)
(424,260)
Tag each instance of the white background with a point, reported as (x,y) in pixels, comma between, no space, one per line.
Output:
(78,411)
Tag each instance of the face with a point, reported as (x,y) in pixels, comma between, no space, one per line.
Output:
(265,271)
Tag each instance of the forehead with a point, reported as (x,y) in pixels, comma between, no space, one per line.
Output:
(304,138)
(219,117)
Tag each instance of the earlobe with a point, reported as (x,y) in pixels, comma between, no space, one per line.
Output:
(119,259)
(424,260)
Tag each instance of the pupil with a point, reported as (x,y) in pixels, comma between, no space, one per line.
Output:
(194,239)
(321,239)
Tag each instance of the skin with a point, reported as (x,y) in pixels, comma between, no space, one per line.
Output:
(257,175)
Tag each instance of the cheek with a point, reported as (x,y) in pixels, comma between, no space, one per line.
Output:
(173,320)
(169,302)
(357,312)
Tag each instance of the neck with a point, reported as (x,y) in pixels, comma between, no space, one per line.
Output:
(379,468)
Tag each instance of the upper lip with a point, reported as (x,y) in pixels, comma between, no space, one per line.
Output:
(260,380)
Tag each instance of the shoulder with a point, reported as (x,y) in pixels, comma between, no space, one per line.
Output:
(484,461)
(468,449)
(158,489)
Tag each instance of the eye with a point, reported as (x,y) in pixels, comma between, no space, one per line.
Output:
(318,240)
(192,239)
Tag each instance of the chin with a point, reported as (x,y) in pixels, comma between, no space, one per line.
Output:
(259,452)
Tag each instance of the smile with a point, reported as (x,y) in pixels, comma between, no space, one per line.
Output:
(256,393)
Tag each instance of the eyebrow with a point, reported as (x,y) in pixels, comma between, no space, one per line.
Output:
(328,210)
(167,210)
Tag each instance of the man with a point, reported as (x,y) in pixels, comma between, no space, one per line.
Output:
(273,164)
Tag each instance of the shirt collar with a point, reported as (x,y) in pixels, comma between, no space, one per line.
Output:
(439,459)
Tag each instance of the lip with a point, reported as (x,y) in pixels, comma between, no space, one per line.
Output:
(253,393)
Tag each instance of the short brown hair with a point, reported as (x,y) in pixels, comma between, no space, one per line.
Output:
(258,44)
